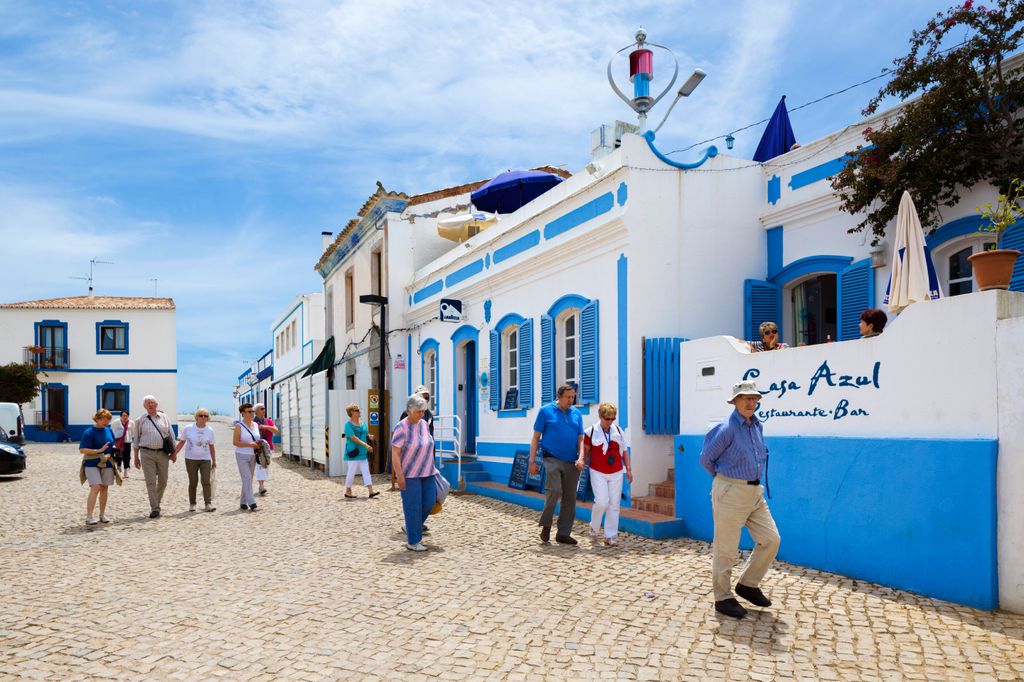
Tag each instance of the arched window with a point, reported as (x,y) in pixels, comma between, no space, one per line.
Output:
(428,371)
(567,349)
(570,348)
(511,363)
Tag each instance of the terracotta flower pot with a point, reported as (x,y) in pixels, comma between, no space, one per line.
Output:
(993,269)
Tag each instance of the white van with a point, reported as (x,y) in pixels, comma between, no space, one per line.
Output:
(12,421)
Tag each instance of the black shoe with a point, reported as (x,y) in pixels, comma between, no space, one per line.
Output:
(566,539)
(545,533)
(263,492)
(252,507)
(730,607)
(373,494)
(155,513)
(754,595)
(243,507)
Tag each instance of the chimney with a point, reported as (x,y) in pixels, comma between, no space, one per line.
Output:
(325,239)
(90,291)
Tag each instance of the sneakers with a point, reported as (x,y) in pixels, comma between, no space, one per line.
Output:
(210,508)
(612,541)
(754,595)
(730,607)
(104,519)
(191,507)
(90,521)
(418,547)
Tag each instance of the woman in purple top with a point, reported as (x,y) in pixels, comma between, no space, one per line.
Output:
(412,459)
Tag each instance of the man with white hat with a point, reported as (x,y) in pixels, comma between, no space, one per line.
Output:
(735,455)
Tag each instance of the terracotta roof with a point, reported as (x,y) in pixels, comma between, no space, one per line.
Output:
(344,234)
(472,186)
(98,302)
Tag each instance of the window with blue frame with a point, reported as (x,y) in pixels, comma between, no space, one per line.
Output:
(112,337)
(569,348)
(114,398)
(511,366)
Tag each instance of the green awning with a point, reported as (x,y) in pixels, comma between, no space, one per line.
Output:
(324,361)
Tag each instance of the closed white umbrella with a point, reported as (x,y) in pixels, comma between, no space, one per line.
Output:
(913,276)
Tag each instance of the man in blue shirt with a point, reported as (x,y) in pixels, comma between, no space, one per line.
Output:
(558,431)
(735,455)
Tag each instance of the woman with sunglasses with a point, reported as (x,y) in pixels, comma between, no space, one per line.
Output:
(357,447)
(246,440)
(769,339)
(607,448)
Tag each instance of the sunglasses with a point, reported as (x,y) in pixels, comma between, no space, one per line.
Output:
(771,332)
(247,410)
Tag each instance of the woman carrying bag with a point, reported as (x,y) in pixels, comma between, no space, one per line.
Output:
(357,447)
(412,459)
(247,444)
(607,448)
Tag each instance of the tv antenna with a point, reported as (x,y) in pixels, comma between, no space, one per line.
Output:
(92,264)
(154,280)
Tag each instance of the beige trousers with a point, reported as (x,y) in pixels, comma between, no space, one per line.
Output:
(735,504)
(155,465)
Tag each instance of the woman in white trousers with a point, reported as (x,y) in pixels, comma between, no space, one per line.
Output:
(246,440)
(606,447)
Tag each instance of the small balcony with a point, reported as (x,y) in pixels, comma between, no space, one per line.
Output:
(46,358)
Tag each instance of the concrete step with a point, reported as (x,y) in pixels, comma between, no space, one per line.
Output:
(657,505)
(474,476)
(631,520)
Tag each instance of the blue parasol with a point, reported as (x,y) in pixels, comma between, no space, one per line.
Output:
(778,136)
(511,190)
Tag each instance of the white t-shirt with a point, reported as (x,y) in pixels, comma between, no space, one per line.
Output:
(197,441)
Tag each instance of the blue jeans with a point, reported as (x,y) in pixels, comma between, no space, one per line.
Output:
(417,500)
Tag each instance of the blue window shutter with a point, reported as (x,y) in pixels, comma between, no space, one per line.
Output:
(762,302)
(495,374)
(547,359)
(856,293)
(589,391)
(526,363)
(1013,238)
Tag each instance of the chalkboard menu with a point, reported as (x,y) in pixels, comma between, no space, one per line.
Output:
(520,476)
(511,399)
(583,491)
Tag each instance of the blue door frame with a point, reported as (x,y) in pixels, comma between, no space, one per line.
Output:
(472,403)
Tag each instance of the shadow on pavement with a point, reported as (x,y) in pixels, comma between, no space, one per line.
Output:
(760,630)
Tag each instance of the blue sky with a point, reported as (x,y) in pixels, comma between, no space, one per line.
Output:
(208,144)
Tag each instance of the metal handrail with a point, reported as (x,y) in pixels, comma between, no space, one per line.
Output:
(449,427)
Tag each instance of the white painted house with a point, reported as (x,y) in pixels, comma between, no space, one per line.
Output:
(91,352)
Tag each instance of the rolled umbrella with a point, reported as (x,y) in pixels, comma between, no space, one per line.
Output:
(913,277)
(509,191)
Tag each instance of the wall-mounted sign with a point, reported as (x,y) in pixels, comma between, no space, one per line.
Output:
(374,419)
(451,310)
(399,361)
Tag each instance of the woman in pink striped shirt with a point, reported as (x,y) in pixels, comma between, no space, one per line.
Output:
(412,458)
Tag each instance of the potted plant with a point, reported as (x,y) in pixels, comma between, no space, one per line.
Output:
(35,350)
(993,269)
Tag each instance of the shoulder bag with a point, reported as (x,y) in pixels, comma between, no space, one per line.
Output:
(263,451)
(168,443)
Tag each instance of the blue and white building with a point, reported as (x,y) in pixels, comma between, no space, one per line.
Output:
(91,352)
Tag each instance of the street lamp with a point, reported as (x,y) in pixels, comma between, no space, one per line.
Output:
(382,301)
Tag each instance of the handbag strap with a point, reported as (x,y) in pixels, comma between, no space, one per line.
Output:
(242,424)
(155,426)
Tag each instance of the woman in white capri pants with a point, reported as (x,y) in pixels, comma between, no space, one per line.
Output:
(607,448)
(246,440)
(357,447)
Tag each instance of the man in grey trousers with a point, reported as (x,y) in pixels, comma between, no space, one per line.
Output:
(147,442)
(558,432)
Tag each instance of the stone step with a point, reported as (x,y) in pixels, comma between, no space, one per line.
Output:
(474,476)
(657,505)
(666,489)
(672,475)
(631,520)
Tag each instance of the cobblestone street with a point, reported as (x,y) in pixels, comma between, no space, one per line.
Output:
(316,587)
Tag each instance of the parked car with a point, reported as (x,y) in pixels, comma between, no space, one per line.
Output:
(12,457)
(12,422)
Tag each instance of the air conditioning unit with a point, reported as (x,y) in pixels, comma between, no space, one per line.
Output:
(608,138)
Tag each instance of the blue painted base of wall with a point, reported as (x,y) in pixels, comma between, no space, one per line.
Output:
(73,432)
(913,514)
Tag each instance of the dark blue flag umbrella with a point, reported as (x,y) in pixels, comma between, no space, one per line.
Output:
(509,191)
(778,137)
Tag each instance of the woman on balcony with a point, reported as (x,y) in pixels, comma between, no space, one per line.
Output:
(97,448)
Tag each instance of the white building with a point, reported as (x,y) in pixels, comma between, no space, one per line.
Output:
(91,352)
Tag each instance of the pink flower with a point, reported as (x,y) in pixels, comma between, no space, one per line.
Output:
(969,4)
(868,130)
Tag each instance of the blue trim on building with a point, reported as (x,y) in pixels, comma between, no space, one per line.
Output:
(243,375)
(514,248)
(464,273)
(285,318)
(466,332)
(709,153)
(428,291)
(428,345)
(52,323)
(622,194)
(114,370)
(265,372)
(809,266)
(858,516)
(578,216)
(565,302)
(773,238)
(511,414)
(487,310)
(956,228)
(487,260)
(506,320)
(622,283)
(99,338)
(55,385)
(127,396)
(819,172)
(774,189)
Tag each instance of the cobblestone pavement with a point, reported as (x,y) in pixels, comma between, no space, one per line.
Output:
(316,587)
